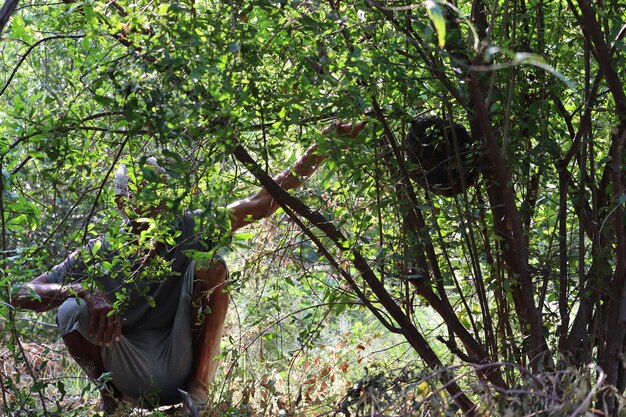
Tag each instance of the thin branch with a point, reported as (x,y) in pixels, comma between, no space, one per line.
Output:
(594,33)
(5,13)
(66,129)
(101,187)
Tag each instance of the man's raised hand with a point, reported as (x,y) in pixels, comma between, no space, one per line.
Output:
(345,128)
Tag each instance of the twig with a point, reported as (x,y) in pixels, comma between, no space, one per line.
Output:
(584,405)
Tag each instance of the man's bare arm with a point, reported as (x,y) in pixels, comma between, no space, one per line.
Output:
(262,204)
(40,295)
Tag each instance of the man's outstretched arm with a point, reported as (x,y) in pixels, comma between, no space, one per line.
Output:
(262,204)
(40,295)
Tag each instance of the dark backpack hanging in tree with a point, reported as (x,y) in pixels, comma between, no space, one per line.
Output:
(444,155)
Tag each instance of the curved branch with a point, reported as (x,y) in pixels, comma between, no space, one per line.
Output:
(29,50)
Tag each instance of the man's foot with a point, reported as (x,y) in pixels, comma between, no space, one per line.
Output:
(198,393)
(108,402)
(192,404)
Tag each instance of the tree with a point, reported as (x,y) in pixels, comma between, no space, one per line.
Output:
(526,266)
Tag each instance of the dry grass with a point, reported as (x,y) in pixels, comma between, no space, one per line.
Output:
(35,365)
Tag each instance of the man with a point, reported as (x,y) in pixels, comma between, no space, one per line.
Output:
(164,333)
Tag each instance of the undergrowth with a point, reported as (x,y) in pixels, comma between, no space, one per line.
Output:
(293,347)
(356,376)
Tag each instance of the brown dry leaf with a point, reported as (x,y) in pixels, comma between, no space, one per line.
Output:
(307,394)
(265,383)
(323,386)
(310,381)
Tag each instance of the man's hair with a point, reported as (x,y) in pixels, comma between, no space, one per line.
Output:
(121,175)
(120,183)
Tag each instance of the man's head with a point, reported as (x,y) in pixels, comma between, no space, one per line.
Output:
(137,192)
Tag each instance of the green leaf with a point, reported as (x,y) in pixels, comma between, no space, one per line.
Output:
(105,101)
(243,236)
(163,8)
(435,13)
(39,386)
(96,247)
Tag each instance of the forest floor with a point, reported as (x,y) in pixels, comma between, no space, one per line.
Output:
(39,378)
(47,365)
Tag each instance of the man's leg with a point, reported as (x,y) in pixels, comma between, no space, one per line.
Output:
(71,317)
(87,356)
(210,304)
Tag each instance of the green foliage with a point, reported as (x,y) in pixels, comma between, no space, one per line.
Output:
(86,86)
